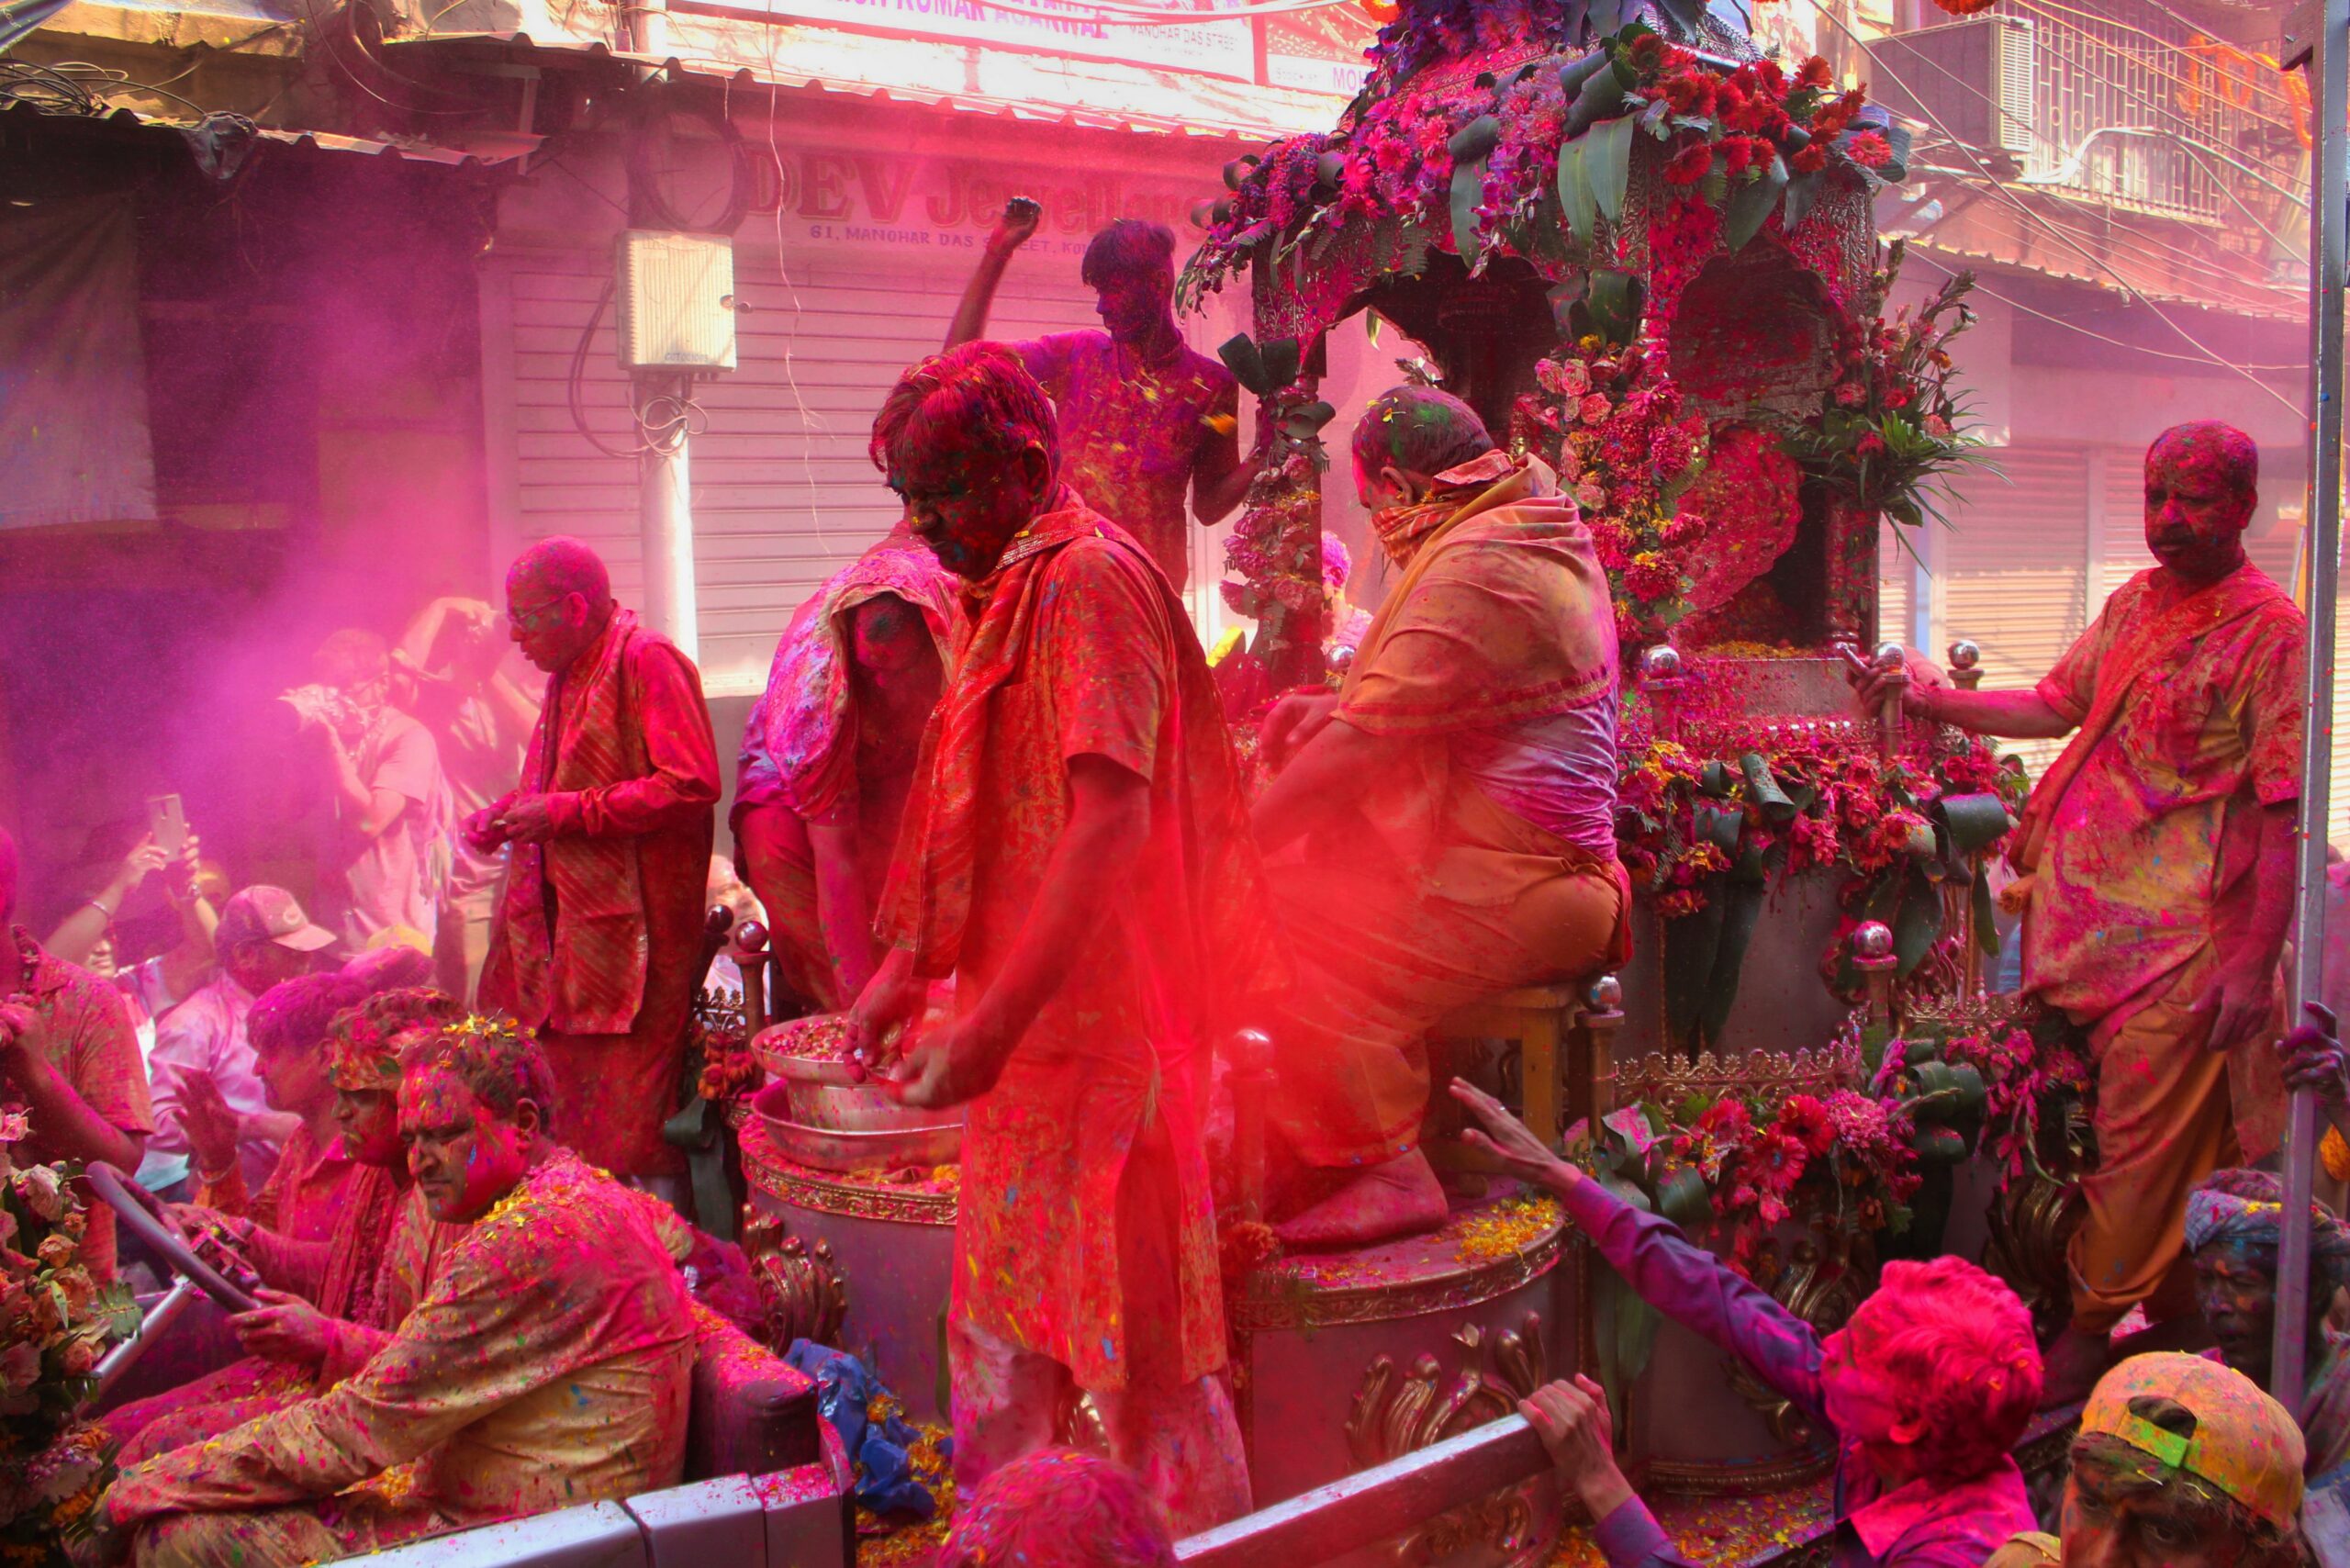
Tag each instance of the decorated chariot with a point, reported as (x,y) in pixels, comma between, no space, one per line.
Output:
(1649,257)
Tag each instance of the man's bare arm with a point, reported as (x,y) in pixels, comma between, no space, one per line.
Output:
(1011,231)
(1332,770)
(1109,822)
(2009,715)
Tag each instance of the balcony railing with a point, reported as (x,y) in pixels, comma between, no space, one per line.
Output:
(2122,105)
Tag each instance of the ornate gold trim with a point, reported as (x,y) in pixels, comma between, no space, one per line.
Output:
(773,1177)
(1274,1301)
(802,1288)
(1396,1416)
(1672,1078)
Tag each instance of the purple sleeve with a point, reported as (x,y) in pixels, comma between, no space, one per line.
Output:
(1691,1287)
(1631,1538)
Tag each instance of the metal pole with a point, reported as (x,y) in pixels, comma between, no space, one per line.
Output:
(2329,214)
(666,516)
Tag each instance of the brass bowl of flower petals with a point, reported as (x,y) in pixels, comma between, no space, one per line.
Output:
(819,1115)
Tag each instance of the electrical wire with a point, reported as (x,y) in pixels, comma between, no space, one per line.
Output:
(663,420)
(1923,250)
(2037,218)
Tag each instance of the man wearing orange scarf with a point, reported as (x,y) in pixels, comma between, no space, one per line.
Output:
(2157,865)
(1449,813)
(596,942)
(1075,855)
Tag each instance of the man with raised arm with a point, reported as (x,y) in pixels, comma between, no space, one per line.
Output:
(1076,855)
(2156,859)
(1143,418)
(597,943)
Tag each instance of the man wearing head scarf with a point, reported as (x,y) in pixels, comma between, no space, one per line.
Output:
(828,759)
(2235,1222)
(1448,815)
(2180,1463)
(2156,871)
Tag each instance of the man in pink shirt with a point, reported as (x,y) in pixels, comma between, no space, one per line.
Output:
(1143,417)
(382,857)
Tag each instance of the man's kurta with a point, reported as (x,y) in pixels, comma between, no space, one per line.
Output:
(596,941)
(1087,1232)
(548,1363)
(2139,847)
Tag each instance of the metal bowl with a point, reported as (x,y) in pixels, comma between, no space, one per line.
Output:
(822,1095)
(880,1147)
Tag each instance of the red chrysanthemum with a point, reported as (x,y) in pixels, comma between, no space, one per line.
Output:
(1690,164)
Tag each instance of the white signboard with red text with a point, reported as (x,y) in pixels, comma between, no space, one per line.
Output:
(1046,26)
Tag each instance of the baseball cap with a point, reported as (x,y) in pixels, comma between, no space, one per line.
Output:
(263,913)
(2244,1444)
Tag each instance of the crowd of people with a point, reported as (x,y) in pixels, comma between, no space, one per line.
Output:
(991,756)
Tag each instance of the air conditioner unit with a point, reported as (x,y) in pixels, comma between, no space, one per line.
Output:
(1974,77)
(677,301)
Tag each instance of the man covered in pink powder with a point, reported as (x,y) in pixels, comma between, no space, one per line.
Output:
(2156,862)
(1143,416)
(597,943)
(1924,1391)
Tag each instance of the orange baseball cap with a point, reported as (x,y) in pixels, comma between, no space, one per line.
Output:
(2245,1443)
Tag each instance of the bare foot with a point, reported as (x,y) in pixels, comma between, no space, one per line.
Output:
(2075,1360)
(1401,1197)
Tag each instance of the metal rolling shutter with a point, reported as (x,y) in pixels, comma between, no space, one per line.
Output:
(2015,569)
(783,493)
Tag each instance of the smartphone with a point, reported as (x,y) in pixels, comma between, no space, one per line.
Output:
(167,823)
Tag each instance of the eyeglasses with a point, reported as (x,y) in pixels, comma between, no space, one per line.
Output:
(523,617)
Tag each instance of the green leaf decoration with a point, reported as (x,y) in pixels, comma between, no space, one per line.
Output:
(1713,779)
(1764,790)
(1691,942)
(1721,826)
(1564,295)
(1328,170)
(1713,188)
(1975,821)
(1918,925)
(1682,1198)
(1573,77)
(1741,911)
(1282,359)
(1751,204)
(1473,142)
(1985,910)
(1247,366)
(1603,97)
(1577,206)
(1236,173)
(1608,164)
(1616,300)
(1468,188)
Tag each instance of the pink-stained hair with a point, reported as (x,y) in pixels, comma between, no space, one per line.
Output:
(1130,247)
(1957,1350)
(1058,1508)
(2231,455)
(977,394)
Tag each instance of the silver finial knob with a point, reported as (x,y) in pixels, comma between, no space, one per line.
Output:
(1891,655)
(1964,655)
(1872,939)
(1251,1050)
(751,936)
(1605,995)
(1660,663)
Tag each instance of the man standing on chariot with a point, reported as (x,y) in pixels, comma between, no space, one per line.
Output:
(2157,860)
(1075,852)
